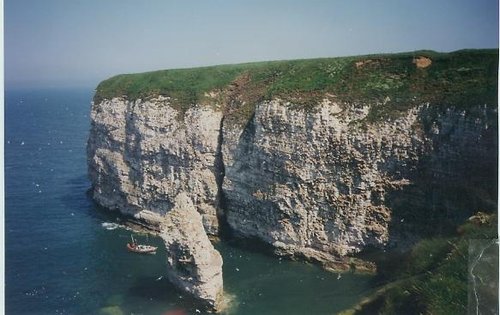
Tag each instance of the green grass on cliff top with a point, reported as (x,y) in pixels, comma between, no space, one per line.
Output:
(461,78)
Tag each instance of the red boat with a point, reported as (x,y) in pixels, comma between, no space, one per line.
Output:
(140,248)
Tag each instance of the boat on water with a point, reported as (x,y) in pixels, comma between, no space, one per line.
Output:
(140,248)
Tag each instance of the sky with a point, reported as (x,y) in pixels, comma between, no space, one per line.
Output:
(51,43)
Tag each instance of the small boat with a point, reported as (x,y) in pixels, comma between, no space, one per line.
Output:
(140,248)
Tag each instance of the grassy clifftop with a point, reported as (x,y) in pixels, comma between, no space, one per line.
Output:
(396,81)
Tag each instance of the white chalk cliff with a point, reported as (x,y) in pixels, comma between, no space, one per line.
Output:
(321,182)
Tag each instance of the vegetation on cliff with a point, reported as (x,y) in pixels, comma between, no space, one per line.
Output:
(394,82)
(434,277)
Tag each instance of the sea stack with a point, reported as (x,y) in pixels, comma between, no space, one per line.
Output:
(193,265)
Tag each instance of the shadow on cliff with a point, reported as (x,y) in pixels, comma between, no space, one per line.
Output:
(457,179)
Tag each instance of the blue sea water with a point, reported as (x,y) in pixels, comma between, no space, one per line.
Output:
(63,256)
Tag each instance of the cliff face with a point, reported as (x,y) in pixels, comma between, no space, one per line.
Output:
(314,184)
(144,153)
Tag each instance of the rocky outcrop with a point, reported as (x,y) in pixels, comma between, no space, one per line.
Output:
(193,264)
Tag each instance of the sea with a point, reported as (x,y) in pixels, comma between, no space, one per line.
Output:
(66,255)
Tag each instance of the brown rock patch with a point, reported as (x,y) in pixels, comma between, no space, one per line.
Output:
(422,62)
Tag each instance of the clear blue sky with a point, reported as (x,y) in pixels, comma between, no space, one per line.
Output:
(81,42)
